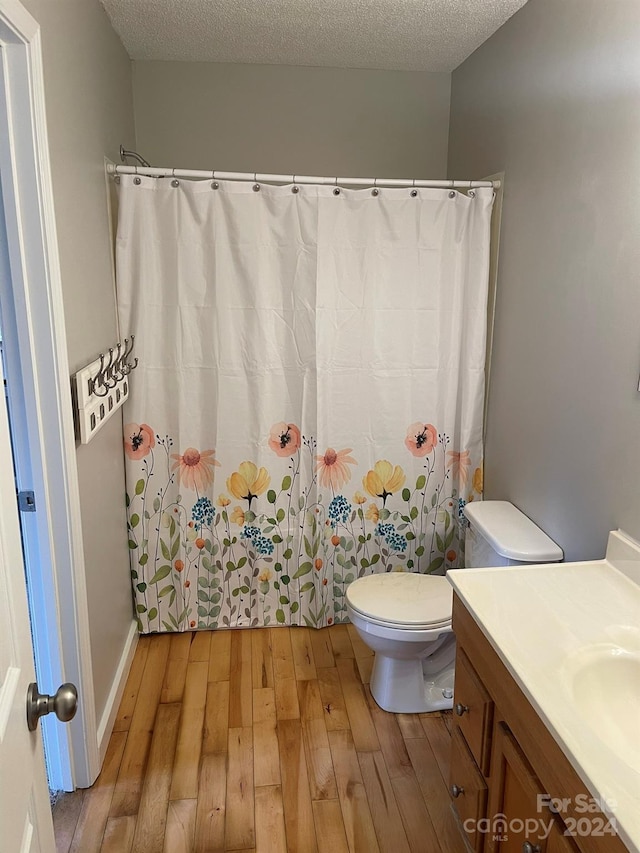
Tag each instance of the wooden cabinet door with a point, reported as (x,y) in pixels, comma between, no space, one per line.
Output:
(473,711)
(468,788)
(515,817)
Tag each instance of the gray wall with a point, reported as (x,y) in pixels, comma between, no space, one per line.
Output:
(89,113)
(314,121)
(553,98)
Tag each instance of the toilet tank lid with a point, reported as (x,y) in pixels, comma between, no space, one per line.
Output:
(511,533)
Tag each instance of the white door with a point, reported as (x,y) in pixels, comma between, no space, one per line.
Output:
(25,814)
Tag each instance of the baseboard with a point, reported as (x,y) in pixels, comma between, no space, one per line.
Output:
(105,727)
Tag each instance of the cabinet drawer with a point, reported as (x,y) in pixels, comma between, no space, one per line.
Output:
(468,789)
(473,711)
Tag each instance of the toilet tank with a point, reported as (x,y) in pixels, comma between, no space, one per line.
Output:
(499,534)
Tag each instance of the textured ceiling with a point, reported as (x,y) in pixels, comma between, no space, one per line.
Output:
(416,35)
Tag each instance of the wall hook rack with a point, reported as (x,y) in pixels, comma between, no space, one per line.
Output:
(101,388)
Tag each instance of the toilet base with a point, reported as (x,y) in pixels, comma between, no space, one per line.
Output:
(403,687)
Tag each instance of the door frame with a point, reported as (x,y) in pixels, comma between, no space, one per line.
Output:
(42,415)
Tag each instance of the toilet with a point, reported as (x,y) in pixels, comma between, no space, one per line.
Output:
(405,618)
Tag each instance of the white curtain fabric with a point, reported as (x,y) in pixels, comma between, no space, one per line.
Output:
(307,407)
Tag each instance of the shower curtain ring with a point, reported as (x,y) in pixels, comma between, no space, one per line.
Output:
(375,190)
(136,180)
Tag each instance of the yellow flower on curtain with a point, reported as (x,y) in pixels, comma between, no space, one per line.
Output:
(478,480)
(248,481)
(383,480)
(237,515)
(373,513)
(223,501)
(359,498)
(460,462)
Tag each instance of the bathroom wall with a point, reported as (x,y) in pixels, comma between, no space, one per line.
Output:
(89,113)
(279,119)
(553,99)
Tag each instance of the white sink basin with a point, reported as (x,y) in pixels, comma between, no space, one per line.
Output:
(605,685)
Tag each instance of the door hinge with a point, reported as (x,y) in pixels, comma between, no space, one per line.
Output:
(27,501)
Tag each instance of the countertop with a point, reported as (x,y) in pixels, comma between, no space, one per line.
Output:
(544,621)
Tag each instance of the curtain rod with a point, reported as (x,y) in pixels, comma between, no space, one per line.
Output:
(259,177)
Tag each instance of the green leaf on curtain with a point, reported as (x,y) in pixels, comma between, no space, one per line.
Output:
(421,482)
(241,562)
(161,574)
(203,582)
(349,578)
(287,554)
(172,619)
(414,513)
(141,586)
(141,608)
(447,520)
(172,527)
(434,498)
(134,520)
(144,559)
(280,514)
(280,616)
(134,574)
(132,544)
(406,495)
(286,580)
(435,564)
(156,504)
(271,496)
(308,622)
(295,607)
(202,596)
(309,549)
(202,611)
(410,536)
(153,613)
(172,596)
(286,483)
(301,502)
(165,551)
(375,559)
(167,626)
(304,569)
(127,500)
(140,487)
(449,538)
(419,550)
(306,586)
(283,599)
(277,538)
(182,616)
(175,546)
(439,542)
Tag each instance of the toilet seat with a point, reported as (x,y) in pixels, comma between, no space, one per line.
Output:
(404,600)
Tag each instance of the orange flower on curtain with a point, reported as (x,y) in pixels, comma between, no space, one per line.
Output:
(460,463)
(332,468)
(284,439)
(195,469)
(421,439)
(138,440)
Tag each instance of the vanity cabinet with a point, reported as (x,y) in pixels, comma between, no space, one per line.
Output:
(505,764)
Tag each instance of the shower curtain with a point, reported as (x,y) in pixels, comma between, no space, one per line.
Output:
(307,407)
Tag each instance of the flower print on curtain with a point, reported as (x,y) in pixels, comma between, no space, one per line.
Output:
(308,403)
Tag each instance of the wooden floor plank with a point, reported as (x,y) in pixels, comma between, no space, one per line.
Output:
(391,741)
(322,648)
(179,835)
(184,785)
(211,807)
(132,686)
(176,671)
(335,711)
(417,824)
(327,815)
(356,814)
(216,718)
(355,700)
(435,795)
(341,643)
(200,646)
(270,832)
(220,655)
(118,835)
(322,783)
(438,736)
(303,660)
(298,814)
(286,691)
(410,725)
(240,809)
(240,683)
(261,658)
(152,816)
(282,653)
(97,801)
(382,802)
(266,757)
(126,797)
(365,666)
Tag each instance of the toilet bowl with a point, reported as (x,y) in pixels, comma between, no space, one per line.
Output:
(405,618)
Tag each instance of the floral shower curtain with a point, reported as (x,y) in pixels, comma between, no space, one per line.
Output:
(307,407)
